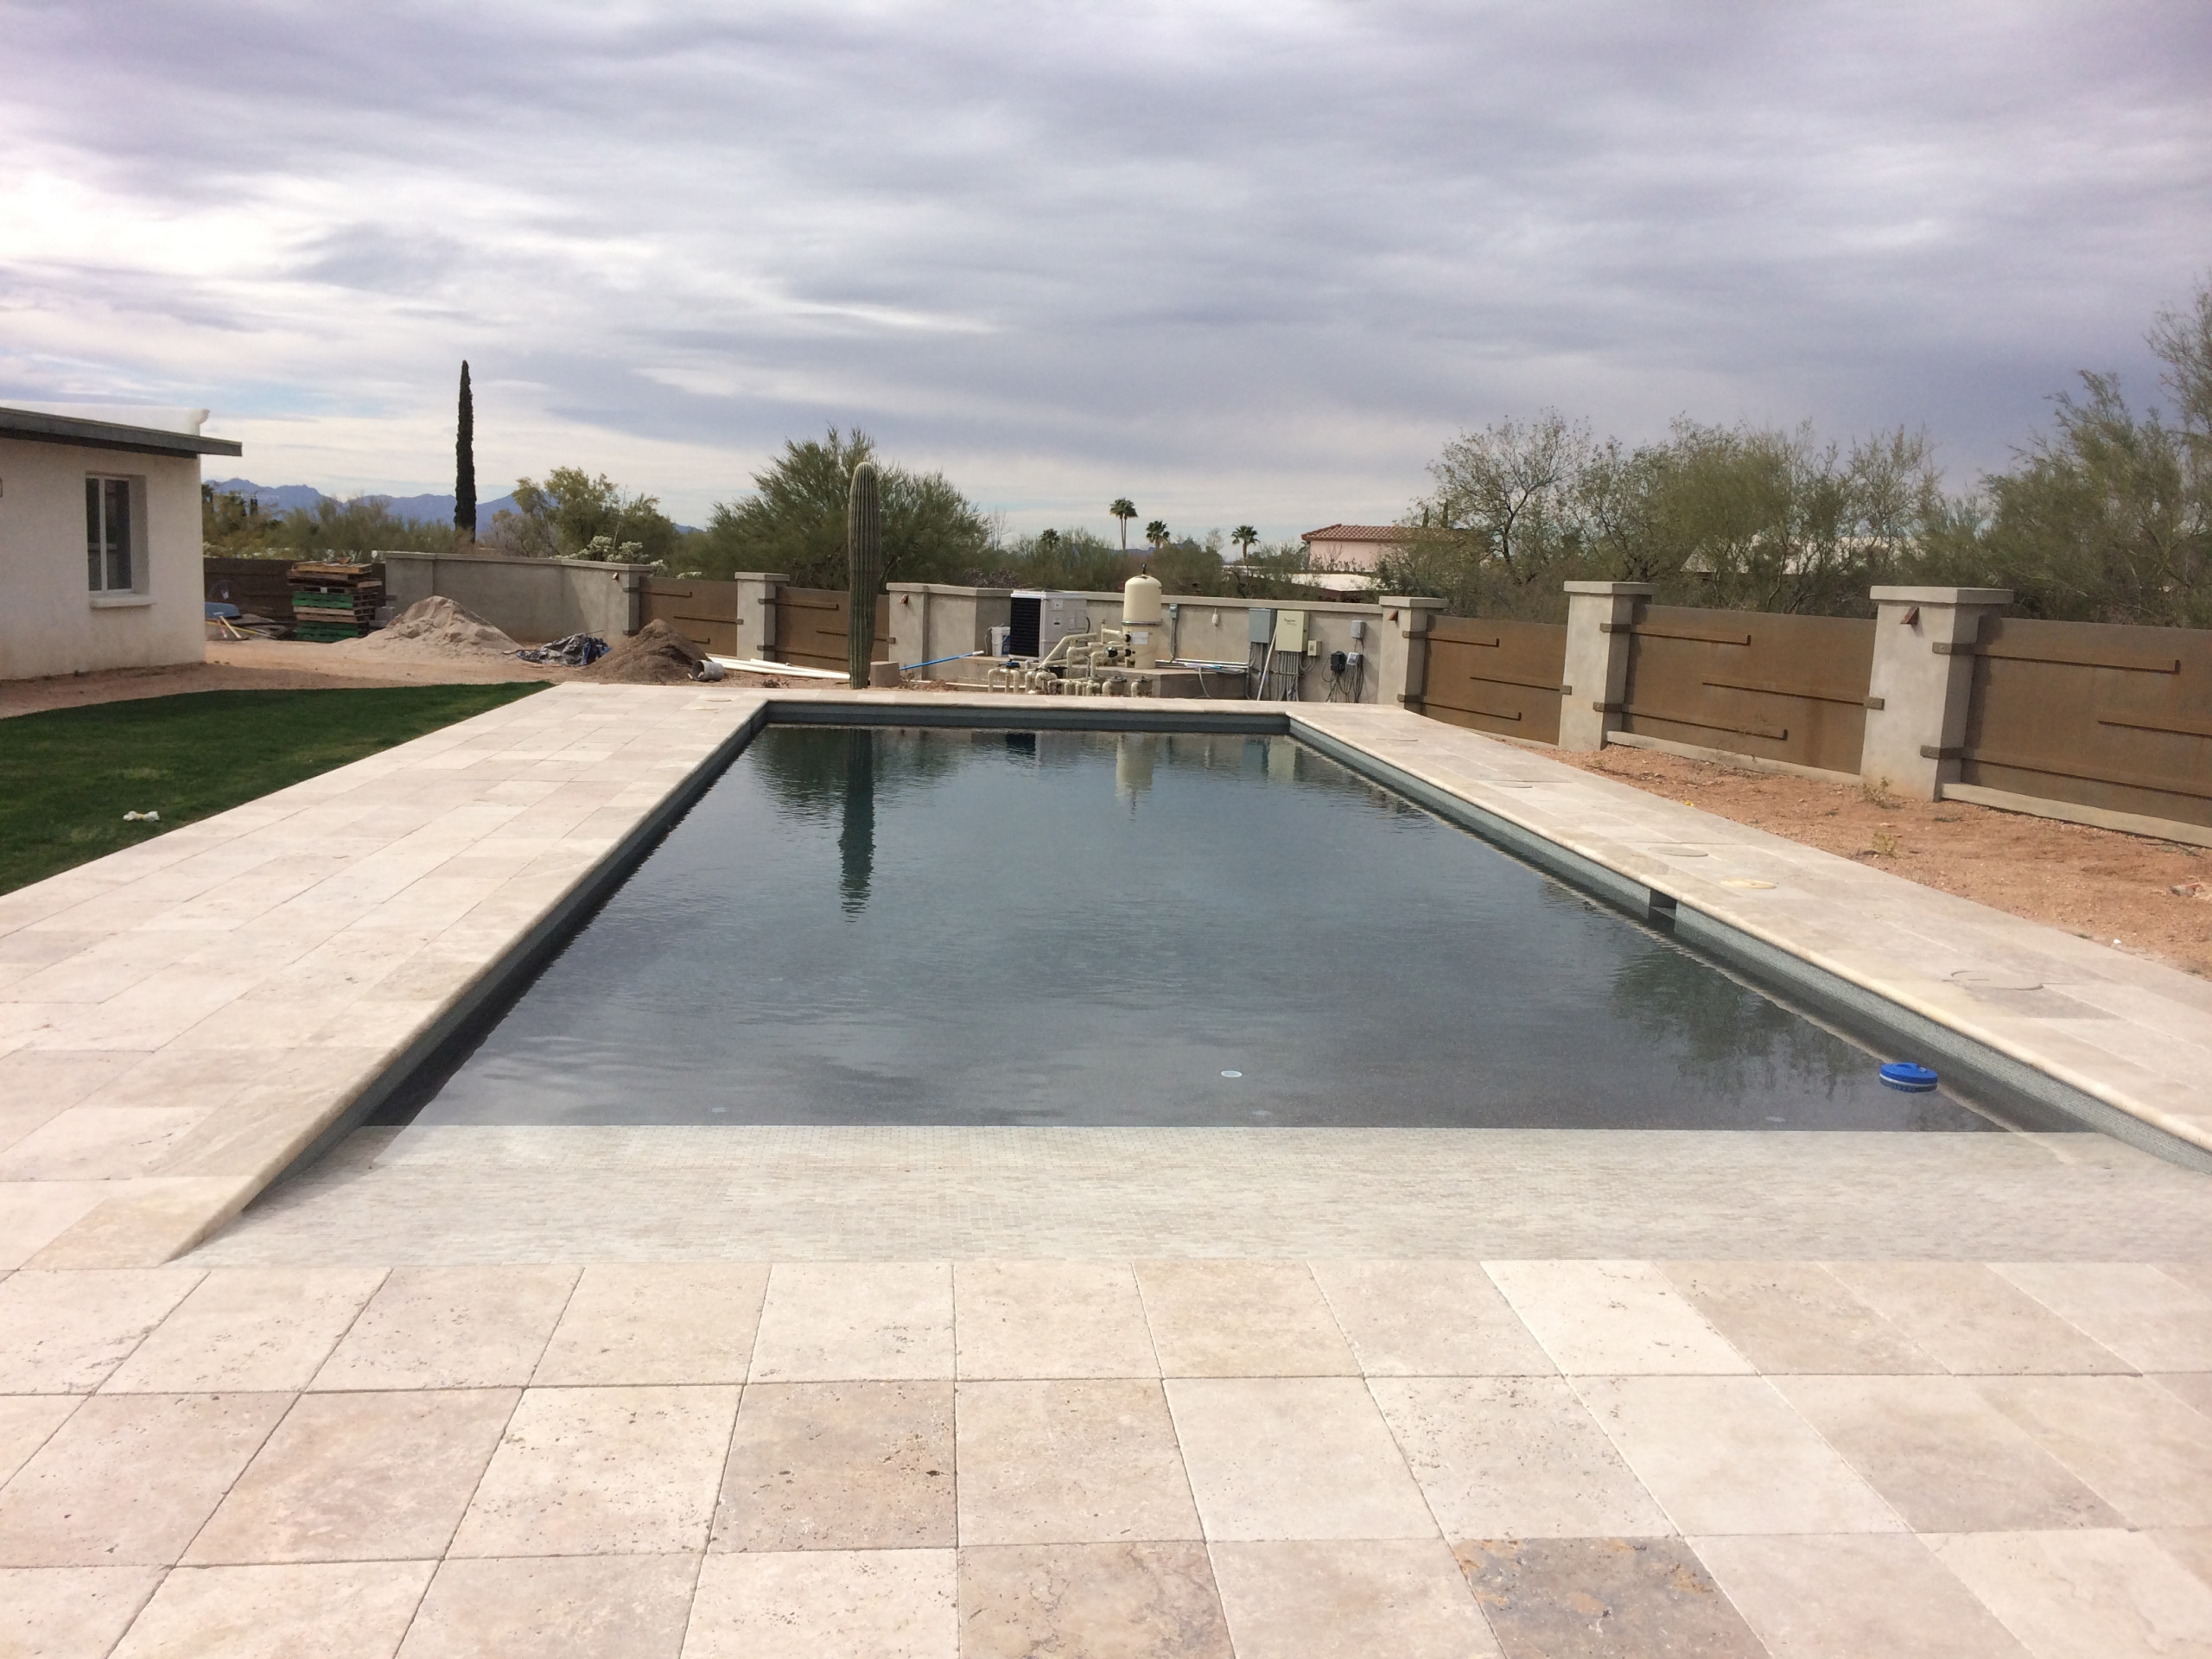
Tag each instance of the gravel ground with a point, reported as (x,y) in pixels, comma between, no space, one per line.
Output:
(2097,884)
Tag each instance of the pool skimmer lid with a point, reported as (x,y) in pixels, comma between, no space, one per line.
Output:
(1905,1075)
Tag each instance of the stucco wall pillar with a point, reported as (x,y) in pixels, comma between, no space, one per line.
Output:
(1916,695)
(1402,652)
(756,613)
(910,622)
(1595,677)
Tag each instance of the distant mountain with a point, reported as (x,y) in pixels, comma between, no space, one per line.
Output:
(282,498)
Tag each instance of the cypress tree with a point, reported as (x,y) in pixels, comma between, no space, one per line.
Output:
(464,462)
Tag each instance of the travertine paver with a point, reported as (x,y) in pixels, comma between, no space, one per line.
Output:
(1051,1318)
(840,1466)
(67,1610)
(1241,1319)
(248,1328)
(2085,1595)
(1146,1600)
(1315,1601)
(633,1323)
(2130,1441)
(1428,1319)
(1070,1462)
(1251,1515)
(1514,1457)
(130,1479)
(66,1332)
(26,1421)
(555,1607)
(360,1477)
(1943,1456)
(1584,1597)
(346,1610)
(1293,1457)
(890,1604)
(602,1471)
(1852,1597)
(1972,1320)
(826,1322)
(1726,1454)
(2153,1320)
(1795,1317)
(1613,1318)
(1341,1408)
(450,1328)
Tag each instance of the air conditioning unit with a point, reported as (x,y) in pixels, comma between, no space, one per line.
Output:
(1039,618)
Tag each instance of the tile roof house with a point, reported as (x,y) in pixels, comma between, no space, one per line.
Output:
(1352,547)
(99,539)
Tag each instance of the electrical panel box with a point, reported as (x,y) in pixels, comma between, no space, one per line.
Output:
(1290,633)
(1260,626)
(1359,627)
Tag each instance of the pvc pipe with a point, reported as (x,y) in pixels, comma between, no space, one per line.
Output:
(957,657)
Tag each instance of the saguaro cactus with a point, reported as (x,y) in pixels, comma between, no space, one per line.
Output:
(864,563)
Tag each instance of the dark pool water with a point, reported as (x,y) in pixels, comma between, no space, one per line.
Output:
(991,927)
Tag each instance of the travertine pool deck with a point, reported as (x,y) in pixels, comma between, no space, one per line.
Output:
(983,1392)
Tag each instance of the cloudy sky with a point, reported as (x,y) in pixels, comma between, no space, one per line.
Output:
(1239,261)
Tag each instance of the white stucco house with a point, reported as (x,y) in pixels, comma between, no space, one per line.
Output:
(99,539)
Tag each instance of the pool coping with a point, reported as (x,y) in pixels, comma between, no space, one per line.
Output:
(2123,1053)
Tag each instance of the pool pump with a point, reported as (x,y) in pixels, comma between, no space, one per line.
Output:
(1077,664)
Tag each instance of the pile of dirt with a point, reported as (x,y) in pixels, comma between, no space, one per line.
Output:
(656,655)
(434,627)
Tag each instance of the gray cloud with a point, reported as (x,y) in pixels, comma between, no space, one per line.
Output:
(1241,262)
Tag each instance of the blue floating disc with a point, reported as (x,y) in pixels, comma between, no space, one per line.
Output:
(1913,1079)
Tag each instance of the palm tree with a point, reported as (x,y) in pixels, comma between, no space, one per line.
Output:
(1156,533)
(1244,536)
(1123,509)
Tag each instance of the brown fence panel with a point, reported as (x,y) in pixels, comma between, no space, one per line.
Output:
(1495,676)
(257,587)
(2113,717)
(1784,688)
(705,613)
(810,626)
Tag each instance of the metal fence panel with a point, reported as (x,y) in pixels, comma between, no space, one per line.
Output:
(1495,675)
(1786,688)
(705,613)
(810,626)
(2102,715)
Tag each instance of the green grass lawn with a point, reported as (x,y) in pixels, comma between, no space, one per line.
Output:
(67,776)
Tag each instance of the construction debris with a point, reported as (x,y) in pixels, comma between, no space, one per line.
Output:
(576,651)
(331,602)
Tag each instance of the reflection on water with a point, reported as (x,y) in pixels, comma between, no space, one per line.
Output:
(856,835)
(1039,927)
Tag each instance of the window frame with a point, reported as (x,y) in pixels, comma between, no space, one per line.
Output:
(97,488)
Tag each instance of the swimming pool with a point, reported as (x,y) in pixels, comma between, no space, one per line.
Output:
(931,927)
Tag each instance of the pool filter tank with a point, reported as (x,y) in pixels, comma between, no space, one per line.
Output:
(1143,620)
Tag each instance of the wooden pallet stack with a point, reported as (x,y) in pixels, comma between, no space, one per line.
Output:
(334,601)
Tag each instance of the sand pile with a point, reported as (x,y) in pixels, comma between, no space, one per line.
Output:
(434,627)
(656,655)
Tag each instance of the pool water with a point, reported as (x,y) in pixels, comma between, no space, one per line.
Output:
(908,926)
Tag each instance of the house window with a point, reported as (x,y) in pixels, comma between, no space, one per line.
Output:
(109,566)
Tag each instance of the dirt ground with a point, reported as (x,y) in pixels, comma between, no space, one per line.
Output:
(2098,884)
(279,665)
